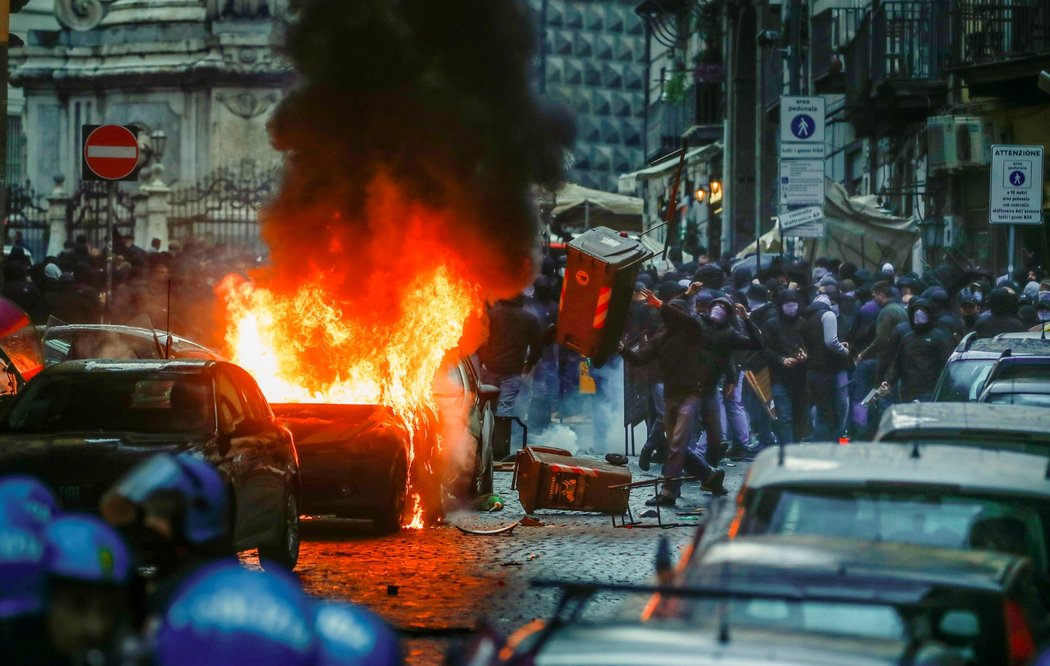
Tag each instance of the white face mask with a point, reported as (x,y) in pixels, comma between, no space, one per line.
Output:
(719,314)
(790,309)
(922,317)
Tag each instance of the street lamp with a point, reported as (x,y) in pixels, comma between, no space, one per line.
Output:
(158,139)
(932,230)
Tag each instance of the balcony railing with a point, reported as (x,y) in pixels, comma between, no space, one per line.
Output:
(833,29)
(667,122)
(909,40)
(993,30)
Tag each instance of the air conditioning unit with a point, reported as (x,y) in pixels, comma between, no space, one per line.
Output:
(961,142)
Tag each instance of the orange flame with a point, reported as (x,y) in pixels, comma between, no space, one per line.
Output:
(304,347)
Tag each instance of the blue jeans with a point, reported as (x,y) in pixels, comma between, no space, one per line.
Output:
(734,418)
(792,405)
(830,396)
(761,424)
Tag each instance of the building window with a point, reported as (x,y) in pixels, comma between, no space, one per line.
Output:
(16,151)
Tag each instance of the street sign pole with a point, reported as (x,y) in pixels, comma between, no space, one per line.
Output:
(111,197)
(1015,192)
(1010,242)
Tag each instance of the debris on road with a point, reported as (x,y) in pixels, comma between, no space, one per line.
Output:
(506,529)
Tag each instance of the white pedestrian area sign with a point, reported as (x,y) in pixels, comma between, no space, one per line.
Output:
(802,182)
(802,127)
(1015,193)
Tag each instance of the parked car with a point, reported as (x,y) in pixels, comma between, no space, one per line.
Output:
(571,638)
(994,426)
(922,494)
(81,425)
(983,605)
(967,370)
(356,458)
(1028,391)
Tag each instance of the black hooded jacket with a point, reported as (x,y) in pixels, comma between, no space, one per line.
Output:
(782,338)
(822,358)
(515,339)
(919,356)
(1003,317)
(693,355)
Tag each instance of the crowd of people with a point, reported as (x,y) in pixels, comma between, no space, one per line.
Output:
(170,288)
(153,581)
(731,362)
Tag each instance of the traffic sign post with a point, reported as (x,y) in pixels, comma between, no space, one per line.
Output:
(1015,190)
(110,153)
(802,152)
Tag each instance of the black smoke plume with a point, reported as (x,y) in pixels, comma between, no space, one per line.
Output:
(405,104)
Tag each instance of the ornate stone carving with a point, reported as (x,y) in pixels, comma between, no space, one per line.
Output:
(247,105)
(81,14)
(241,9)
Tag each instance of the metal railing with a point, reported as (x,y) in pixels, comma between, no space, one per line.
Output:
(909,40)
(832,29)
(991,30)
(667,122)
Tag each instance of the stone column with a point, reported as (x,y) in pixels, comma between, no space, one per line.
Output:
(57,218)
(155,197)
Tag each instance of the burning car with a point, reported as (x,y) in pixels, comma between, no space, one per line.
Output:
(366,461)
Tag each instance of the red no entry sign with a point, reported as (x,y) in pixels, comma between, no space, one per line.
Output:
(111,152)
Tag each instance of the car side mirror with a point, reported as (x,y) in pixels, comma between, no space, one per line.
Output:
(488,392)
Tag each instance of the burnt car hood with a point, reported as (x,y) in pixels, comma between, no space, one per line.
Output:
(318,426)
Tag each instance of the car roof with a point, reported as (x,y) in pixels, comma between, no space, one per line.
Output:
(923,419)
(1029,344)
(136,332)
(672,643)
(970,469)
(113,365)
(902,572)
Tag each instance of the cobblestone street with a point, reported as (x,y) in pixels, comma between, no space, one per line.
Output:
(436,584)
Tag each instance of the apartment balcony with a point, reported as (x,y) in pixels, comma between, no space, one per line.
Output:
(700,115)
(895,65)
(832,30)
(997,45)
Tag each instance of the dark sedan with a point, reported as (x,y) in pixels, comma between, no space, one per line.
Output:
(80,425)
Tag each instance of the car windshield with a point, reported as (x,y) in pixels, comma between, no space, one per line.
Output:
(962,380)
(905,516)
(148,403)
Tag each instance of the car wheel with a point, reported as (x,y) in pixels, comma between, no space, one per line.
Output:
(285,552)
(391,515)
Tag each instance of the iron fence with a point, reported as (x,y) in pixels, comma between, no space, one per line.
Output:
(88,213)
(27,217)
(223,209)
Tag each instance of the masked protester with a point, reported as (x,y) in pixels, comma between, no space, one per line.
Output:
(690,384)
(726,332)
(919,357)
(1002,305)
(826,369)
(785,353)
(1042,311)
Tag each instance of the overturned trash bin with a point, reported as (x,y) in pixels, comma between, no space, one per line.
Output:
(548,478)
(600,272)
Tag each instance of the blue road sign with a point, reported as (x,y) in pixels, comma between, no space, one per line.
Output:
(802,126)
(1017,178)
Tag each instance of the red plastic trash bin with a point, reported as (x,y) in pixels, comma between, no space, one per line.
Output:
(548,478)
(600,272)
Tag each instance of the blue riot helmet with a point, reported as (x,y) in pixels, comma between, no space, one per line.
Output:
(226,615)
(22,573)
(352,636)
(183,488)
(207,504)
(27,501)
(86,549)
